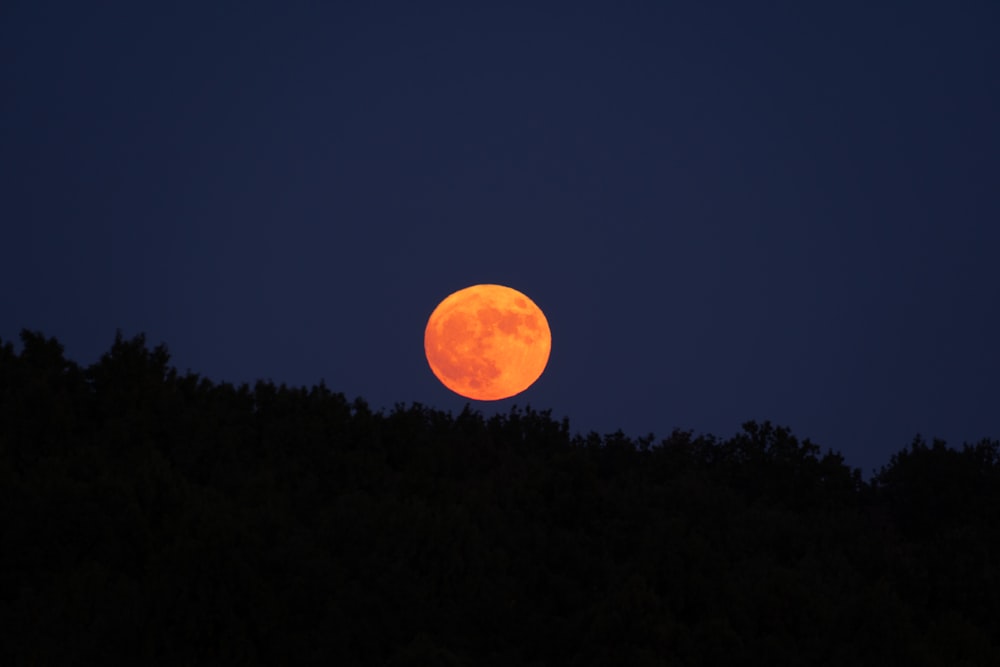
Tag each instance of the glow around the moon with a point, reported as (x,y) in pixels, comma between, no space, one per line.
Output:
(487,342)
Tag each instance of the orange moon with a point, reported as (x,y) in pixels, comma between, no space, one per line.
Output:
(487,342)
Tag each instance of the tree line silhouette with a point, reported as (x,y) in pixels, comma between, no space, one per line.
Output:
(152,517)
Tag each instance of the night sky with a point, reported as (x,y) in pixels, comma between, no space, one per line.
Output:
(727,210)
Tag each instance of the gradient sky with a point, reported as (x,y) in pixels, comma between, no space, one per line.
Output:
(727,210)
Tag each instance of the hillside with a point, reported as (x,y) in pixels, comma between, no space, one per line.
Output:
(153,517)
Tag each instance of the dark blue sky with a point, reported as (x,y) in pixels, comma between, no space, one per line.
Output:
(727,210)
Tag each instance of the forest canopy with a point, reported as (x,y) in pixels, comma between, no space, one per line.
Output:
(156,517)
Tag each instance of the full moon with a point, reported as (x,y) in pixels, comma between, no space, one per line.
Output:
(487,342)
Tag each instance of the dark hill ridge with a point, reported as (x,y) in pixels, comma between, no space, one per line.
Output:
(150,517)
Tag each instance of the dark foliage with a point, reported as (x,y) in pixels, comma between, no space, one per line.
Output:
(156,518)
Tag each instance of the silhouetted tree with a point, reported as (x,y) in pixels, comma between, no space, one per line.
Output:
(153,517)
